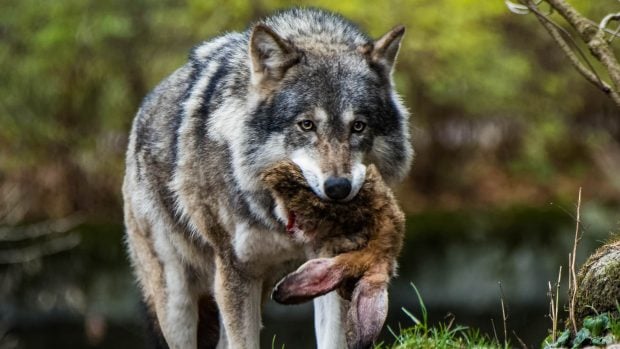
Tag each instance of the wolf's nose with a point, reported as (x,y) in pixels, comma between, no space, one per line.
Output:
(337,188)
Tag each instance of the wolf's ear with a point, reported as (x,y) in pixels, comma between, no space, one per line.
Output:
(383,52)
(270,54)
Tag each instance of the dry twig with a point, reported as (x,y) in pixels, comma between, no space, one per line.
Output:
(572,272)
(554,305)
(494,330)
(504,314)
(521,342)
(592,34)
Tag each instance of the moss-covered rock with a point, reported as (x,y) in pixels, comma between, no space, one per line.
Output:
(599,283)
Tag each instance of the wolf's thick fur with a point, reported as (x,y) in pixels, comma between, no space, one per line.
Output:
(205,238)
(356,242)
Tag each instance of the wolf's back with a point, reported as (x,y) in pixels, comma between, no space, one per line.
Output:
(194,91)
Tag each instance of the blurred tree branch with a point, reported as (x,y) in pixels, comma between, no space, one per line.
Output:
(593,35)
(39,250)
(33,231)
(41,239)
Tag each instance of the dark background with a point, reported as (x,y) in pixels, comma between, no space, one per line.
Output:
(506,132)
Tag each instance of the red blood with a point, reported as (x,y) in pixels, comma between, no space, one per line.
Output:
(291,222)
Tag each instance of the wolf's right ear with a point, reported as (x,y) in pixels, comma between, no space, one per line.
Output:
(270,54)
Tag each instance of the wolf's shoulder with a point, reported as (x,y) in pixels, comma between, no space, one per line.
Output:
(222,48)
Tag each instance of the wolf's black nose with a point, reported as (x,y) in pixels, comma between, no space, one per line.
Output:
(337,188)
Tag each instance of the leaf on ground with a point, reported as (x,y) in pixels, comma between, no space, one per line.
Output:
(581,338)
(597,324)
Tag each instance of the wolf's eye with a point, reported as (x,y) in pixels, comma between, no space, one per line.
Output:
(358,126)
(306,125)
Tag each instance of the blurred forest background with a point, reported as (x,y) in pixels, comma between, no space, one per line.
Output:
(505,131)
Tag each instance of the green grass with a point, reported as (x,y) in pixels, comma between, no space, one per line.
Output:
(441,336)
(420,335)
(273,343)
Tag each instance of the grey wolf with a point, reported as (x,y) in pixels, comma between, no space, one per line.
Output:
(354,246)
(206,239)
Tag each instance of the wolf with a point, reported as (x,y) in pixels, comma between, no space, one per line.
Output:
(206,239)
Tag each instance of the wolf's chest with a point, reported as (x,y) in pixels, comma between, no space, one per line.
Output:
(262,248)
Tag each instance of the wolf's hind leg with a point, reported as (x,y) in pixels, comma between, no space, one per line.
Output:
(147,250)
(239,301)
(173,298)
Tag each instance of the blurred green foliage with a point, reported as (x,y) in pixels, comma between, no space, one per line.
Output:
(493,100)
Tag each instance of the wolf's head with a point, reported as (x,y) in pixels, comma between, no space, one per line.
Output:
(323,96)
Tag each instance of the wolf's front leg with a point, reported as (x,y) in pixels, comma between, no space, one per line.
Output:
(239,300)
(329,314)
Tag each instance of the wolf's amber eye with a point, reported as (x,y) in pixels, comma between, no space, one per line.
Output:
(358,126)
(306,125)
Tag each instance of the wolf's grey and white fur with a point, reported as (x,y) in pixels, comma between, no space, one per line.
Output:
(206,239)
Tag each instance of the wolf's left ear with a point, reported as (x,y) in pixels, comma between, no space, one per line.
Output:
(270,54)
(383,52)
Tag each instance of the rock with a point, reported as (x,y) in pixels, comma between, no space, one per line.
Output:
(599,283)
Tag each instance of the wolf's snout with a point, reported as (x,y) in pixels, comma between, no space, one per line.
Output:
(337,188)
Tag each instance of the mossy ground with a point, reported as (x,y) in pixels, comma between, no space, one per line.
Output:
(599,330)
